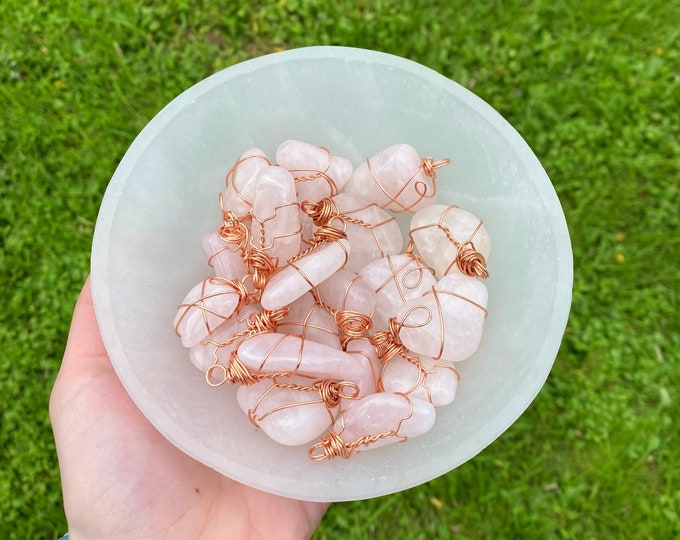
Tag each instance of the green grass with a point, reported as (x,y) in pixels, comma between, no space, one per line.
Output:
(594,87)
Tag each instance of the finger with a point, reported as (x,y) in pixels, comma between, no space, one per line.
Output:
(85,351)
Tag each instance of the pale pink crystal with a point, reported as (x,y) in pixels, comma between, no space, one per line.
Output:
(371,231)
(281,353)
(364,352)
(395,280)
(445,323)
(288,416)
(394,179)
(291,282)
(347,291)
(215,347)
(225,258)
(385,413)
(309,320)
(425,379)
(437,228)
(276,221)
(240,191)
(206,306)
(318,173)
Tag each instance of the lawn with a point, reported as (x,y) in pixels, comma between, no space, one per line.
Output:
(594,88)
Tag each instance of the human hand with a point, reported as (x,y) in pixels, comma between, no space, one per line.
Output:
(122,479)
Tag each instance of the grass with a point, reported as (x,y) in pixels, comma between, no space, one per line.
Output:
(594,87)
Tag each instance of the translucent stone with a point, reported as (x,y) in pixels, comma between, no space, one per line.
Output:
(385,413)
(289,416)
(431,381)
(446,323)
(214,347)
(395,280)
(240,192)
(347,291)
(364,352)
(318,173)
(393,179)
(207,305)
(276,221)
(436,230)
(281,353)
(291,282)
(225,258)
(309,320)
(371,231)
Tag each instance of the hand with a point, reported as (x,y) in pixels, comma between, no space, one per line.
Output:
(122,479)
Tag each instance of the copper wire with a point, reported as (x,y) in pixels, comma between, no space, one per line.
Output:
(321,211)
(352,324)
(231,176)
(332,445)
(469,261)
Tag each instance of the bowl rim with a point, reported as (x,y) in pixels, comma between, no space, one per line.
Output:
(105,220)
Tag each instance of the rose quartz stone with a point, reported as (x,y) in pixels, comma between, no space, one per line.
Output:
(364,353)
(276,221)
(240,192)
(383,413)
(291,282)
(395,280)
(281,353)
(321,174)
(394,180)
(213,347)
(347,291)
(429,228)
(377,235)
(206,306)
(309,320)
(225,259)
(447,324)
(431,381)
(288,416)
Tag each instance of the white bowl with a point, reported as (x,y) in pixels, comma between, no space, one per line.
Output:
(163,198)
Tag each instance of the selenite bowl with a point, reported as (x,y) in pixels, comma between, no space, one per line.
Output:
(163,198)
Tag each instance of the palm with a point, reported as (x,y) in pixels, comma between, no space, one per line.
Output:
(121,478)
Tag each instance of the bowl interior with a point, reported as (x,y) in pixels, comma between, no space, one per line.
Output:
(163,198)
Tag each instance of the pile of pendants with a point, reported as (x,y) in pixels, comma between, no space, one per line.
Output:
(336,331)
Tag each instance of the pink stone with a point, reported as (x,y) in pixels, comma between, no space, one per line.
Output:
(395,280)
(438,231)
(371,231)
(318,173)
(384,413)
(207,305)
(294,280)
(309,320)
(446,322)
(364,352)
(394,179)
(225,258)
(426,379)
(347,291)
(276,221)
(215,348)
(281,353)
(287,415)
(240,191)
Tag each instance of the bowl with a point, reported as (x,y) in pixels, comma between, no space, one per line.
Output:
(162,199)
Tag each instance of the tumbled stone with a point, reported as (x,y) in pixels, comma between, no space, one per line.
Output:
(295,279)
(445,323)
(287,415)
(276,222)
(442,234)
(394,179)
(240,191)
(371,231)
(395,279)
